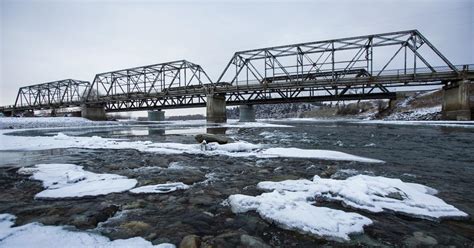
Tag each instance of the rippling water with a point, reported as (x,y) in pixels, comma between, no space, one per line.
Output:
(439,157)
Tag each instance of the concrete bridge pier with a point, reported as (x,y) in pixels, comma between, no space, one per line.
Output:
(458,101)
(246,113)
(216,108)
(156,115)
(93,112)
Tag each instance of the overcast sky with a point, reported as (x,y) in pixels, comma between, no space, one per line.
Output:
(49,40)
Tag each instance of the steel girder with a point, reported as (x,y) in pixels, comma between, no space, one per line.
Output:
(147,82)
(61,93)
(334,60)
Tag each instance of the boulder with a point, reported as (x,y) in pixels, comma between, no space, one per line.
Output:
(190,241)
(212,138)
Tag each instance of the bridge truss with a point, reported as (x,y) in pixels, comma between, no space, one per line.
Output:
(51,95)
(149,86)
(360,67)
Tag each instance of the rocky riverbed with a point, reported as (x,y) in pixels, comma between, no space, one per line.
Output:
(435,156)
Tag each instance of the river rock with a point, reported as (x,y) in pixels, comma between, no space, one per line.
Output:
(329,171)
(190,241)
(420,239)
(135,228)
(252,242)
(212,138)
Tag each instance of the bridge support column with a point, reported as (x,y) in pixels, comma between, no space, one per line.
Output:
(156,115)
(458,101)
(246,113)
(216,108)
(93,112)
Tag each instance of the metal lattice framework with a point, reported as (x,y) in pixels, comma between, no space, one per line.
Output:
(363,67)
(152,81)
(349,66)
(62,93)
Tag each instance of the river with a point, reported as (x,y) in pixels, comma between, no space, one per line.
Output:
(441,157)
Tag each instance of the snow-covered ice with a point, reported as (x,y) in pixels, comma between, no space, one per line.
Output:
(313,153)
(374,194)
(42,122)
(159,188)
(69,181)
(39,236)
(236,149)
(294,211)
(291,203)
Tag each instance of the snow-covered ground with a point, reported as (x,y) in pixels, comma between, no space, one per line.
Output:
(290,203)
(462,124)
(44,122)
(236,149)
(41,236)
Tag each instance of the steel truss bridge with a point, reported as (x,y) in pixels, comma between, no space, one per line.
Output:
(356,68)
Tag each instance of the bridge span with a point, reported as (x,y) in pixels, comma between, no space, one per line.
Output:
(356,68)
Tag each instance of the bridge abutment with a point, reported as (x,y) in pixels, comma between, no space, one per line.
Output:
(458,101)
(156,115)
(246,113)
(216,108)
(93,112)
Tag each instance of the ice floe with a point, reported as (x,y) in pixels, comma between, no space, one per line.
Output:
(292,203)
(38,235)
(235,149)
(70,181)
(374,194)
(314,153)
(293,211)
(159,188)
(43,122)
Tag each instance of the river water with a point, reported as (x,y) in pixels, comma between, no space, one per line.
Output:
(437,156)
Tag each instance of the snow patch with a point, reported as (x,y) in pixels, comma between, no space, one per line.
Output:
(38,235)
(159,188)
(69,180)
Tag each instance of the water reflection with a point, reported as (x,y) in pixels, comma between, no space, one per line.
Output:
(216,130)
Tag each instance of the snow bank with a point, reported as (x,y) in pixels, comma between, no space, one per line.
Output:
(464,124)
(159,188)
(38,235)
(293,211)
(69,180)
(236,149)
(42,122)
(374,194)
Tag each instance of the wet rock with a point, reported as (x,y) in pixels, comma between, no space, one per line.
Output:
(252,242)
(190,241)
(420,239)
(212,138)
(329,171)
(135,228)
(134,205)
(201,200)
(103,215)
